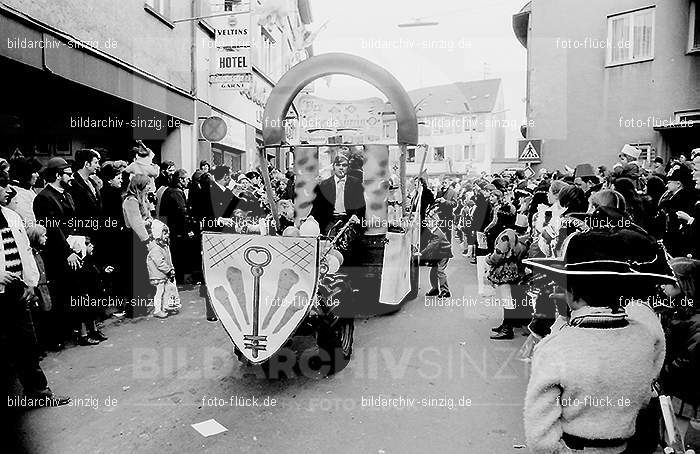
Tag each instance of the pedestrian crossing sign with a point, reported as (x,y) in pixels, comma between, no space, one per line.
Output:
(530,150)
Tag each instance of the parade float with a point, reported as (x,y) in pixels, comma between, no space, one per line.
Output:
(269,288)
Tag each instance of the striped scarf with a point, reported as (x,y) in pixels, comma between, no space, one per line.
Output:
(13,263)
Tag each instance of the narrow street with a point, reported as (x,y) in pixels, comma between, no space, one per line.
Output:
(453,389)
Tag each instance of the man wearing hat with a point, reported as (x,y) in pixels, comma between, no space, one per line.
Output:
(591,378)
(674,205)
(586,179)
(628,162)
(339,197)
(679,189)
(54,209)
(658,168)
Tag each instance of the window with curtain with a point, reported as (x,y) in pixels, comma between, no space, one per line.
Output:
(265,52)
(469,153)
(631,37)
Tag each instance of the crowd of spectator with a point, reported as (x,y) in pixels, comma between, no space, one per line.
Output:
(92,239)
(615,251)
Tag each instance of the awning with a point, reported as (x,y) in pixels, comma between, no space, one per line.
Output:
(20,43)
(82,65)
(86,69)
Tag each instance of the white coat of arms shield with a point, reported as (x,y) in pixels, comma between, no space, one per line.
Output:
(261,287)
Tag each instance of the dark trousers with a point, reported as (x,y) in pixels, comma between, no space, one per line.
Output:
(18,342)
(438,275)
(56,323)
(184,257)
(139,288)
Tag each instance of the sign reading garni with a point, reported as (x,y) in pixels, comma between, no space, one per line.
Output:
(319,117)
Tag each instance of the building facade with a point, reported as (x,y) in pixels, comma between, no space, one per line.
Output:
(604,74)
(461,128)
(102,74)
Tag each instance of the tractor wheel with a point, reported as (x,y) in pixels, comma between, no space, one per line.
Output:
(337,342)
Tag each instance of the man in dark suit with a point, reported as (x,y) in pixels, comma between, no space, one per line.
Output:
(86,196)
(338,197)
(54,209)
(222,203)
(175,214)
(223,200)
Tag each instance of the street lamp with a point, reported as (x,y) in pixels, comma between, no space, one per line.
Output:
(417,22)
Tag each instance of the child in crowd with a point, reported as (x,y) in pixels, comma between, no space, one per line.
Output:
(84,302)
(161,271)
(37,240)
(436,251)
(506,269)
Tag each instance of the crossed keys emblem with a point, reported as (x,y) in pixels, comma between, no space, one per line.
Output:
(258,258)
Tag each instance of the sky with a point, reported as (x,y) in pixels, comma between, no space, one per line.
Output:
(474,39)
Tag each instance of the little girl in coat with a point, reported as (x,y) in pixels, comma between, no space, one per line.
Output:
(507,269)
(161,271)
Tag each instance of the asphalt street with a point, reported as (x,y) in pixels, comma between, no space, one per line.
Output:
(426,379)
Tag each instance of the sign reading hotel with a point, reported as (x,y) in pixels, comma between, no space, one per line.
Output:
(228,62)
(231,65)
(321,118)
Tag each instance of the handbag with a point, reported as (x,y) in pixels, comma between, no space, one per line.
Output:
(507,273)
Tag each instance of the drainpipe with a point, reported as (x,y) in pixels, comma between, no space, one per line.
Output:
(194,142)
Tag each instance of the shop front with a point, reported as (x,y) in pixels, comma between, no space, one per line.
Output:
(681,138)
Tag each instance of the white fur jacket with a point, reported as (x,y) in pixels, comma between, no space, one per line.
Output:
(591,383)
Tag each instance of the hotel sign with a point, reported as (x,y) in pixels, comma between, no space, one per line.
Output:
(231,65)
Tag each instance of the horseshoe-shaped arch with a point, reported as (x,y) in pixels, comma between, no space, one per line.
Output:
(307,71)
